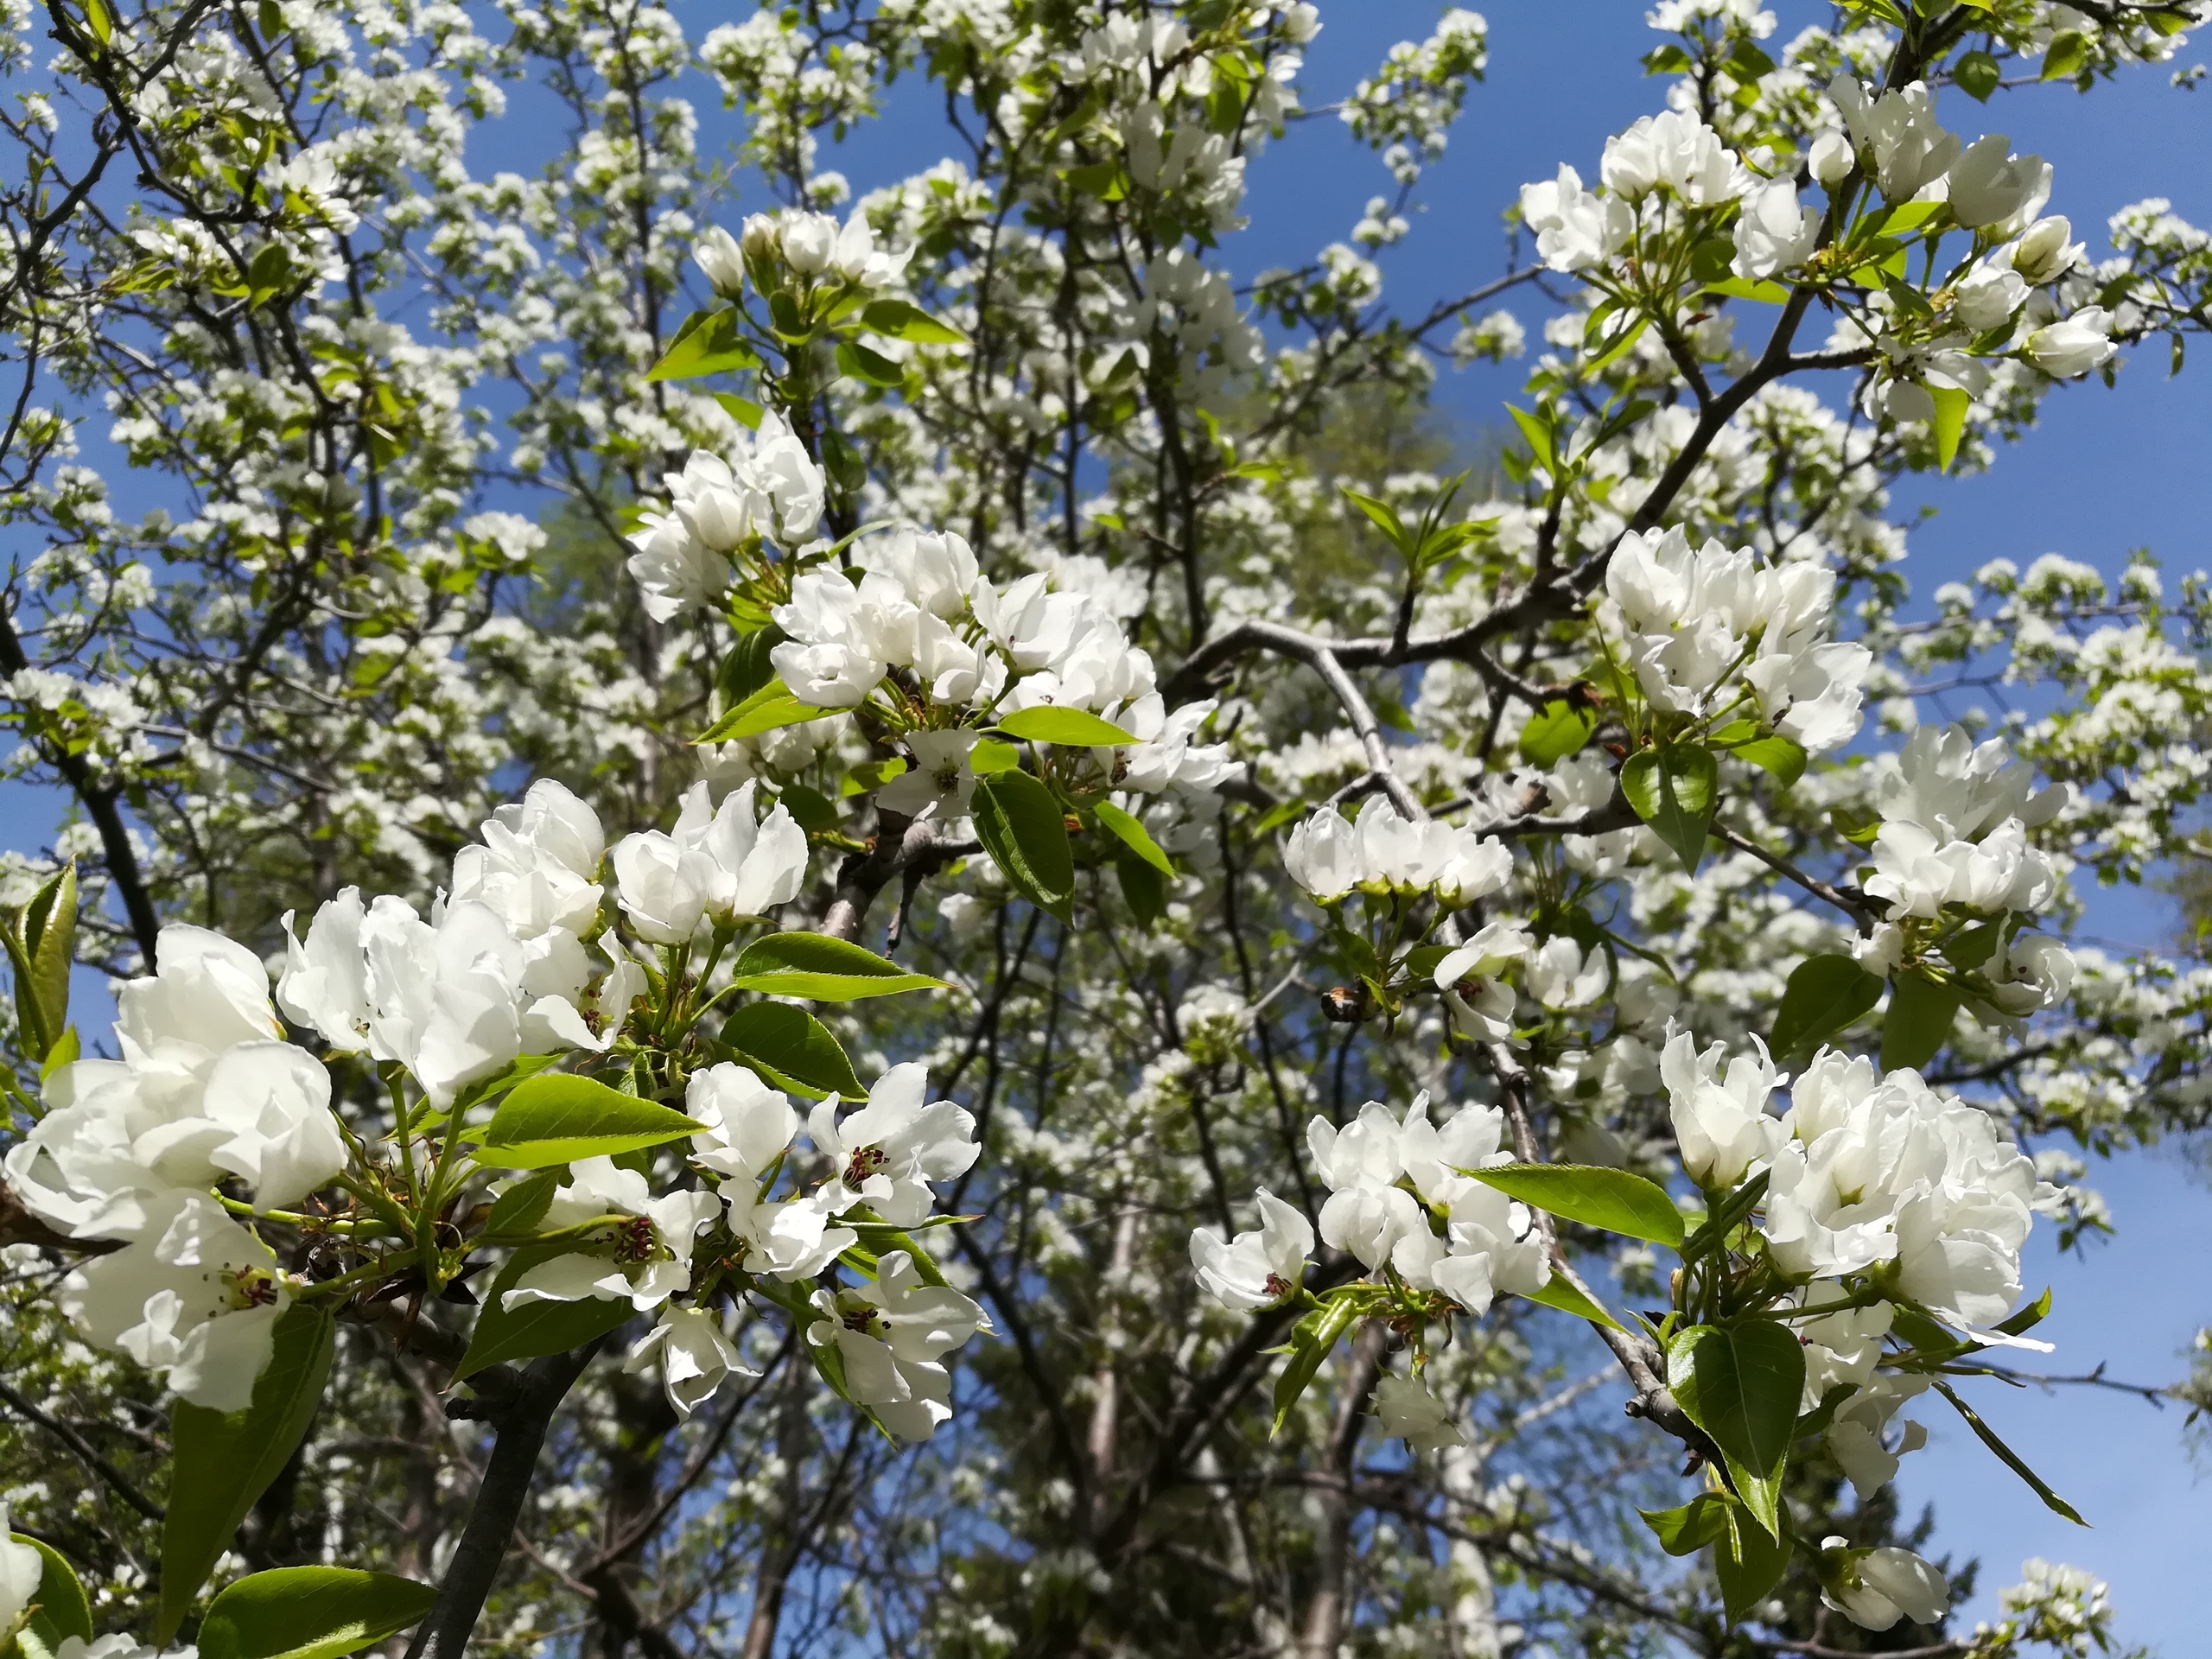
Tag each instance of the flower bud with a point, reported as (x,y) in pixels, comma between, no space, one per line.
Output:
(2043,253)
(719,257)
(1831,159)
(2073,346)
(808,241)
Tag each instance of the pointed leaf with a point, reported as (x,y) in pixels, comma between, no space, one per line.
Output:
(1590,1193)
(2010,1458)
(770,709)
(1740,1382)
(63,1608)
(1317,1334)
(790,1049)
(1022,827)
(1143,888)
(1069,727)
(1775,754)
(1133,836)
(1673,789)
(821,970)
(1950,423)
(311,1612)
(1685,1531)
(556,1120)
(533,1329)
(221,1464)
(1559,730)
(1748,1562)
(897,320)
(517,1211)
(1558,1293)
(708,343)
(1918,1023)
(1824,996)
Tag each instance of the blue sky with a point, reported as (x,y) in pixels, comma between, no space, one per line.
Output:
(2105,472)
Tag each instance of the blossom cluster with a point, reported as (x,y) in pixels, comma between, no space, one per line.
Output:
(1400,1203)
(1691,621)
(1382,851)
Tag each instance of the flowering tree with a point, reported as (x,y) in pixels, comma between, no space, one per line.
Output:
(1101,749)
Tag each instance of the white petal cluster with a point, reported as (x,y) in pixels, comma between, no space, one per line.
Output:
(1575,228)
(1388,1179)
(719,863)
(1874,1588)
(890,1338)
(1408,1411)
(770,489)
(1675,152)
(1693,621)
(1955,820)
(1260,1268)
(1382,851)
(921,606)
(650,1260)
(206,1091)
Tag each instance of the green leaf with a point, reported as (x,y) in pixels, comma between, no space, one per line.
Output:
(1973,946)
(706,344)
(743,411)
(1740,1382)
(858,362)
(536,1329)
(311,1612)
(2010,1458)
(1669,59)
(1919,1022)
(1142,887)
(556,1120)
(1558,1293)
(42,942)
(1538,432)
(1590,1193)
(1310,1343)
(103,26)
(1132,835)
(1859,829)
(1741,288)
(747,667)
(990,755)
(1977,74)
(221,1463)
(871,775)
(1702,1520)
(823,969)
(1950,423)
(1105,180)
(792,1050)
(1068,727)
(2064,58)
(63,1610)
(1382,516)
(1776,754)
(1673,789)
(897,320)
(1748,1562)
(810,808)
(768,709)
(517,1211)
(1824,995)
(1022,827)
(1559,730)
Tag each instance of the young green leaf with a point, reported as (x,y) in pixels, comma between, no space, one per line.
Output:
(221,1464)
(1824,996)
(1069,727)
(1950,422)
(2064,58)
(1558,730)
(791,1050)
(2010,1458)
(990,755)
(63,1611)
(311,1612)
(1749,1562)
(706,344)
(1775,754)
(1558,1293)
(823,969)
(517,1211)
(1977,74)
(556,1120)
(1022,827)
(1740,1382)
(1143,888)
(1590,1193)
(770,709)
(1132,835)
(897,320)
(1673,789)
(1384,517)
(1316,1336)
(504,1336)
(859,363)
(1702,1520)
(1919,1022)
